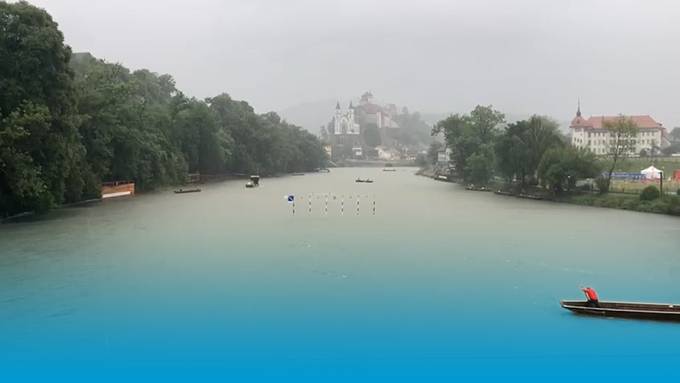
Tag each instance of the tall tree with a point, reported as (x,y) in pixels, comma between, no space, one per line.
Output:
(41,157)
(522,145)
(620,143)
(674,135)
(466,134)
(480,165)
(561,167)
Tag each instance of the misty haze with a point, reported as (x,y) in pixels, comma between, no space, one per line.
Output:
(350,190)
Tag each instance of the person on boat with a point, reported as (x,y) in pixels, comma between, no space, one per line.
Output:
(591,296)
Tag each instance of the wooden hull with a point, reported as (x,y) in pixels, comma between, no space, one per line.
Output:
(187,191)
(633,310)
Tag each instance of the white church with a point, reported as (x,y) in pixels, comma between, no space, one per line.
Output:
(343,121)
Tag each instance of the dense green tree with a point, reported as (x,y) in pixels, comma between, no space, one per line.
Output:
(264,143)
(126,123)
(42,159)
(522,145)
(621,142)
(433,151)
(480,165)
(465,135)
(674,135)
(561,167)
(69,122)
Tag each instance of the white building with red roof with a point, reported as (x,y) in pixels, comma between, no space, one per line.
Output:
(590,133)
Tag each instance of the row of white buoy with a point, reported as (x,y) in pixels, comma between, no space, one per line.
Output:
(337,200)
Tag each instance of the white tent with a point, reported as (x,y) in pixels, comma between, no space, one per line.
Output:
(651,173)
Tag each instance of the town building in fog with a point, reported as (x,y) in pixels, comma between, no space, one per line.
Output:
(344,122)
(590,133)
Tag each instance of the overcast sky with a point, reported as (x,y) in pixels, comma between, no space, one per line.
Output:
(527,56)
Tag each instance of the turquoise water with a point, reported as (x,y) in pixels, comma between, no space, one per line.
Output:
(230,285)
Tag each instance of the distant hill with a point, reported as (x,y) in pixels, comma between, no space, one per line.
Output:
(310,115)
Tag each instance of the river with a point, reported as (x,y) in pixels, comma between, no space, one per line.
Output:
(436,283)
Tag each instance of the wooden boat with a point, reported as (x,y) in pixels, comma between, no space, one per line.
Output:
(254,182)
(183,191)
(530,196)
(367,181)
(635,310)
(298,174)
(389,170)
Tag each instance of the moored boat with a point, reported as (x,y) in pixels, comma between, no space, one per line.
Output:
(183,191)
(254,181)
(367,181)
(635,310)
(530,196)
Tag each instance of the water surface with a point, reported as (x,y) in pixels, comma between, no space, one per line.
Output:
(229,283)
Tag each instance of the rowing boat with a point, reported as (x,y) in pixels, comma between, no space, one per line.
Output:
(183,191)
(636,310)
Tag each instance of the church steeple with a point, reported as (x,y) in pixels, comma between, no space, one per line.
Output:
(578,109)
(337,106)
(350,105)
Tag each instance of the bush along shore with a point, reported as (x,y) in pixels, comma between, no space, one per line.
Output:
(531,159)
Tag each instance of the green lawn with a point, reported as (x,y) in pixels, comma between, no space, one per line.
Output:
(666,205)
(666,164)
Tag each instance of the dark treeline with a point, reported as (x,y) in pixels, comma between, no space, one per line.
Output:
(69,122)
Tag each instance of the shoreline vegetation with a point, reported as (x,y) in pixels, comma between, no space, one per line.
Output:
(70,122)
(533,159)
(669,204)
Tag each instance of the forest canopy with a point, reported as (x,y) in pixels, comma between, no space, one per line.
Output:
(69,122)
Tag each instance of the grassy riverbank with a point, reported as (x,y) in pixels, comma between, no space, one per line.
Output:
(664,205)
(668,204)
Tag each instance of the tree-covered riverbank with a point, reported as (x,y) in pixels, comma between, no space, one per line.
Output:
(69,122)
(532,159)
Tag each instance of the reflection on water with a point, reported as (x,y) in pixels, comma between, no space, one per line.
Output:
(228,282)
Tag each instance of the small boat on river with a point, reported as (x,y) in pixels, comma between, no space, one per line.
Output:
(367,181)
(184,191)
(635,310)
(254,182)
